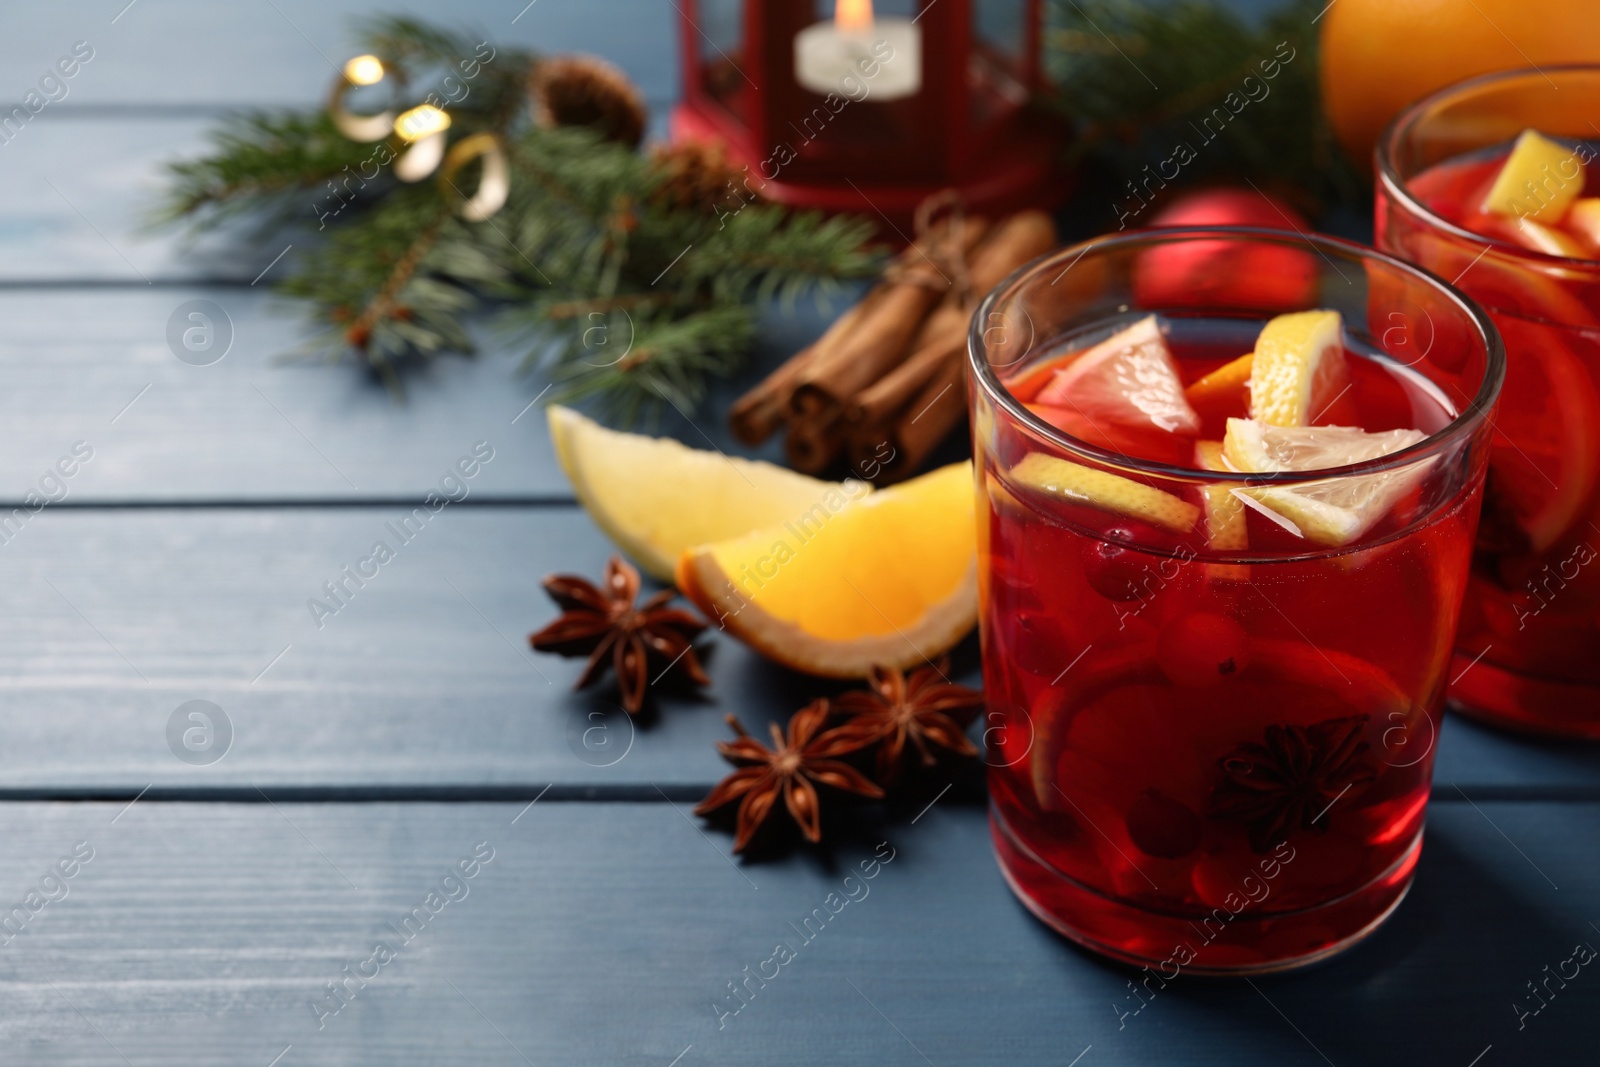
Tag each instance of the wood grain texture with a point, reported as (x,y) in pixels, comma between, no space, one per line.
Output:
(94,364)
(190,52)
(111,618)
(200,933)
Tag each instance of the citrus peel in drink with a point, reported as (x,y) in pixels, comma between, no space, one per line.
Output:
(1298,371)
(1078,484)
(1335,511)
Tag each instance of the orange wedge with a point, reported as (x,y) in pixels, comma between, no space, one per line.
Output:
(1129,378)
(1538,180)
(655,497)
(1100,489)
(890,579)
(1549,240)
(1336,511)
(1299,369)
(1225,392)
(1583,219)
(1225,519)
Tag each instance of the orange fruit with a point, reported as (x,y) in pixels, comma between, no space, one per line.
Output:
(1380,56)
(1129,379)
(1225,392)
(890,579)
(1298,370)
(655,497)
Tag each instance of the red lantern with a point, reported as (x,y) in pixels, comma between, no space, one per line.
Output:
(846,108)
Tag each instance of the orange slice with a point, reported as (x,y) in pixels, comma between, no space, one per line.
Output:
(1226,529)
(1332,512)
(655,497)
(1299,369)
(1129,378)
(1539,180)
(1225,392)
(1549,240)
(1583,220)
(1106,491)
(890,579)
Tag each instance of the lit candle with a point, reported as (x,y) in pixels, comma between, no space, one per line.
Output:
(853,46)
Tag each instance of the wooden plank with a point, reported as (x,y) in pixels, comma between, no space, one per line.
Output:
(111,619)
(202,933)
(189,52)
(95,365)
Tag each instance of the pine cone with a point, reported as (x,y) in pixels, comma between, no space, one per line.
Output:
(585,91)
(697,176)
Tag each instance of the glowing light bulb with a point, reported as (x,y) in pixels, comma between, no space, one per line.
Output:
(424,120)
(364,70)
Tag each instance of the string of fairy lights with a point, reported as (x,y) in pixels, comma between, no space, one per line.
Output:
(416,139)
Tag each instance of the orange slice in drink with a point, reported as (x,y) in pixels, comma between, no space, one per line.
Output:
(1538,180)
(1226,529)
(1129,378)
(1335,511)
(1545,457)
(1105,491)
(1298,370)
(1225,392)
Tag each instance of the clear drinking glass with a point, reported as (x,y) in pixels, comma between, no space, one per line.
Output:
(1204,758)
(1529,651)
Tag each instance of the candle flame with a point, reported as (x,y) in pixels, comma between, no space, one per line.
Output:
(853,16)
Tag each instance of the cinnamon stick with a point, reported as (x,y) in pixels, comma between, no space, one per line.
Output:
(883,333)
(812,445)
(926,421)
(943,340)
(759,412)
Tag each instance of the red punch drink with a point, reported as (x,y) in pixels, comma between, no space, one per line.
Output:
(1494,183)
(1225,525)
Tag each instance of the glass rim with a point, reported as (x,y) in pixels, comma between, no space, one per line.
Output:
(1461,425)
(1389,176)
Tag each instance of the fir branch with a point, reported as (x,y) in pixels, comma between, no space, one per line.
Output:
(1140,77)
(587,252)
(631,363)
(258,158)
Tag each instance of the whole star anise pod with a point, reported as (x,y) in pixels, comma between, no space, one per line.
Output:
(1291,781)
(603,624)
(793,767)
(924,712)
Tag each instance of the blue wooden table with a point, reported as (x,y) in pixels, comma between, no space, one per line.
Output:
(412,753)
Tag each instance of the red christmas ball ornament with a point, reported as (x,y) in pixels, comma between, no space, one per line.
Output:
(1263,276)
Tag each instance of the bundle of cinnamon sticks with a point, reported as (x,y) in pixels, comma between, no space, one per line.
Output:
(886,382)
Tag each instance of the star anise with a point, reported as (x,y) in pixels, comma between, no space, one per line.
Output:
(923,712)
(793,767)
(1289,783)
(603,624)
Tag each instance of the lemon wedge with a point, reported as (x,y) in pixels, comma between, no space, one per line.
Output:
(1225,520)
(655,497)
(890,579)
(1332,512)
(1583,219)
(1549,240)
(1539,180)
(1106,491)
(1298,369)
